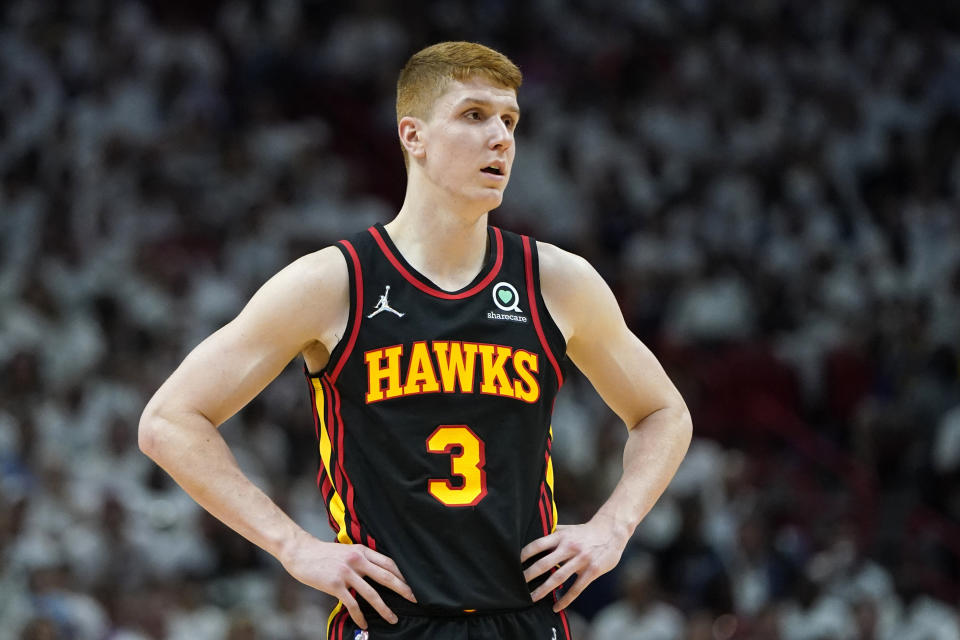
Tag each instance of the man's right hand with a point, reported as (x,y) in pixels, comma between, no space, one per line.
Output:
(337,568)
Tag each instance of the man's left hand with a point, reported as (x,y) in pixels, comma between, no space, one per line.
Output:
(588,550)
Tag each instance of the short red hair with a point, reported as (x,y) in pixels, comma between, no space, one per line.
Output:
(429,72)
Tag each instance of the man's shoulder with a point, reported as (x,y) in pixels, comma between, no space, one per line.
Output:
(567,283)
(320,276)
(321,266)
(560,264)
(309,298)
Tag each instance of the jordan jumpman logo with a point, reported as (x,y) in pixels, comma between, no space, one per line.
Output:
(383,305)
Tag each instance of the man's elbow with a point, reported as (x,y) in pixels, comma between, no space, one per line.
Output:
(674,420)
(148,436)
(156,429)
(165,429)
(684,422)
(678,424)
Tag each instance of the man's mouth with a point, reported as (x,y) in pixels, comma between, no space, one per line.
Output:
(492,170)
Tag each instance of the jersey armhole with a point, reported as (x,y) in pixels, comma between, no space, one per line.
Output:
(341,352)
(551,337)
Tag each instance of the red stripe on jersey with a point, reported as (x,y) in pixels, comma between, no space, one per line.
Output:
(566,627)
(532,297)
(355,527)
(326,489)
(543,511)
(332,434)
(334,431)
(412,279)
(336,455)
(357,312)
(562,613)
(354,523)
(343,623)
(323,481)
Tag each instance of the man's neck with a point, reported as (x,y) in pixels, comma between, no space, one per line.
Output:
(447,245)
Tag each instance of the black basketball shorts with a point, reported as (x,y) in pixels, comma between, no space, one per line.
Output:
(539,622)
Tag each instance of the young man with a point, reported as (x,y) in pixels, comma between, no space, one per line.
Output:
(434,347)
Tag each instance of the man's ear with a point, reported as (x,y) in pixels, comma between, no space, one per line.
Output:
(410,130)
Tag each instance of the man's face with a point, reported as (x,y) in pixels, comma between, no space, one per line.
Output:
(468,141)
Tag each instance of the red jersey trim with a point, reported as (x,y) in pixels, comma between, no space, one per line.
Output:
(534,310)
(338,633)
(419,284)
(357,312)
(347,491)
(563,618)
(541,501)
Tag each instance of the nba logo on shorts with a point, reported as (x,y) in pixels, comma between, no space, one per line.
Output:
(360,634)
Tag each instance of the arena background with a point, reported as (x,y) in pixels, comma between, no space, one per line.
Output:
(771,187)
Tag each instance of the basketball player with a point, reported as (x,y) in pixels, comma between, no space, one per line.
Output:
(433,347)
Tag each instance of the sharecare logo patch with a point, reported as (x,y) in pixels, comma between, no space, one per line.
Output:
(446,366)
(506,298)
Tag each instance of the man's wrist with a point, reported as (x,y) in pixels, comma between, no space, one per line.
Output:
(287,548)
(620,527)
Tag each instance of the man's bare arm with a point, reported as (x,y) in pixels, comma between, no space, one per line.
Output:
(633,383)
(301,309)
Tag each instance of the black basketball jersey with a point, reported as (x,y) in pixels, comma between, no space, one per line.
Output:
(433,421)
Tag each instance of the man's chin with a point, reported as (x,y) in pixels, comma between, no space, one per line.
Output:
(493,196)
(486,198)
(493,204)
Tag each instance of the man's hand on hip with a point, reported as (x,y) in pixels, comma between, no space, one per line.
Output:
(588,550)
(337,568)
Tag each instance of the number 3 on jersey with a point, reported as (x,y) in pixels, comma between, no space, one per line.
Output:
(466,461)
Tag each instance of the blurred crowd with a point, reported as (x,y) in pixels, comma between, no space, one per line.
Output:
(772,188)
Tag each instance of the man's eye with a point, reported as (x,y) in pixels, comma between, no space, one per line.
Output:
(473,115)
(508,122)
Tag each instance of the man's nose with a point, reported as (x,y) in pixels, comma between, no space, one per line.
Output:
(501,136)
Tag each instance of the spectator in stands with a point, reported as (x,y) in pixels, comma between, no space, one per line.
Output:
(640,613)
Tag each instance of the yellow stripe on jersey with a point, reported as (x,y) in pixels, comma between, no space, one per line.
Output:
(333,614)
(337,510)
(553,498)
